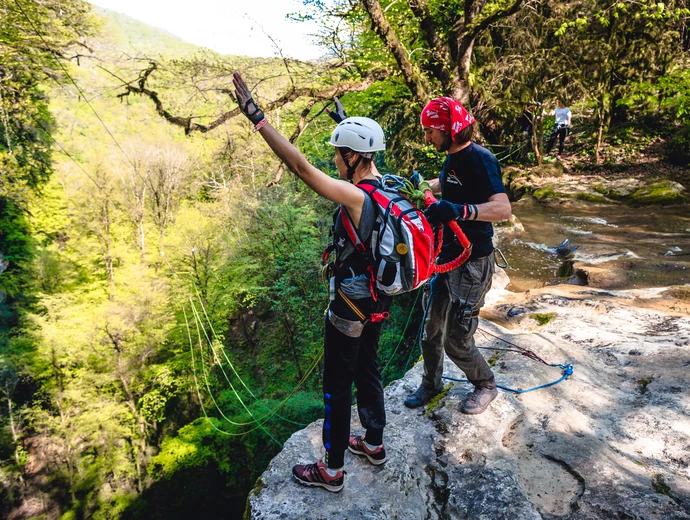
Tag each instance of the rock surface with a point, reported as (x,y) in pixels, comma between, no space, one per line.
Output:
(551,181)
(613,442)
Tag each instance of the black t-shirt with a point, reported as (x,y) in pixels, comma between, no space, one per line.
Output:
(470,176)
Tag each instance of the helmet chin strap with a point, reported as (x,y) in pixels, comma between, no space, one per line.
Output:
(351,167)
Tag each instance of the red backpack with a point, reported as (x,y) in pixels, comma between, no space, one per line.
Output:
(402,242)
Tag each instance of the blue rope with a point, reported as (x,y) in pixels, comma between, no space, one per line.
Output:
(567,372)
(567,369)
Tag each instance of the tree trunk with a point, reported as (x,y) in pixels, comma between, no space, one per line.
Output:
(15,437)
(413,79)
(107,253)
(461,89)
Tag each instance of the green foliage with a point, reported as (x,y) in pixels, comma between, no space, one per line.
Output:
(109,247)
(544,317)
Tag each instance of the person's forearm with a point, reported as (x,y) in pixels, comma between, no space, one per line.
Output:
(493,211)
(285,150)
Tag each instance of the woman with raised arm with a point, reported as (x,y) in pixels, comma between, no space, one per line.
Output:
(353,325)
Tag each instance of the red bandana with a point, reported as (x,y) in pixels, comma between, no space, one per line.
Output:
(444,113)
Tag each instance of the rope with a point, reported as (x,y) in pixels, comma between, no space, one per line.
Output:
(511,153)
(232,366)
(81,93)
(402,335)
(567,372)
(258,422)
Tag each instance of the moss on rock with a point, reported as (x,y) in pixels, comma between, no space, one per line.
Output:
(590,197)
(658,193)
(431,405)
(680,292)
(544,317)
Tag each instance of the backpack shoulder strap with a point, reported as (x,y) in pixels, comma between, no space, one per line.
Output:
(351,230)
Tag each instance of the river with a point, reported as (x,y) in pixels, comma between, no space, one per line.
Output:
(646,247)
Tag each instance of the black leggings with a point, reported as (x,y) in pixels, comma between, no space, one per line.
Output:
(350,360)
(559,132)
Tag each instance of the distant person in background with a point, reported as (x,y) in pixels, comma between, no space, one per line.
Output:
(561,127)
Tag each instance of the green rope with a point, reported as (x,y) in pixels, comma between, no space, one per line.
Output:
(232,366)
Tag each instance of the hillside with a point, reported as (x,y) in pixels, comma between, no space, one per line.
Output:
(137,221)
(133,37)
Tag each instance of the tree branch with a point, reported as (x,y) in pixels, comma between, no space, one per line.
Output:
(301,125)
(472,29)
(440,49)
(413,79)
(291,95)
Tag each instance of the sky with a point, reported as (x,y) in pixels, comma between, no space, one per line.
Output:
(227,26)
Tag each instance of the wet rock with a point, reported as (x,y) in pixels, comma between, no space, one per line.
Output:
(516,311)
(662,193)
(578,277)
(551,181)
(508,230)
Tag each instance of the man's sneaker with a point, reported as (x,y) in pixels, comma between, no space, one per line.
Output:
(357,446)
(421,396)
(479,400)
(316,475)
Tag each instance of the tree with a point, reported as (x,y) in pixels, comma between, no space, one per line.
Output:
(614,44)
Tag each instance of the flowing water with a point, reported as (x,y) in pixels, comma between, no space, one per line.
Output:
(646,247)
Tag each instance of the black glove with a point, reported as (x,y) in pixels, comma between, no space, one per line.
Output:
(441,211)
(339,113)
(244,99)
(444,211)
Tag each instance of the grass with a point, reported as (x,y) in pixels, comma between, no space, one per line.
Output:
(544,317)
(660,486)
(644,382)
(494,359)
(431,405)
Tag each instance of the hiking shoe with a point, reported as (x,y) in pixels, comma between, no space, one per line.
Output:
(357,446)
(317,476)
(479,400)
(421,396)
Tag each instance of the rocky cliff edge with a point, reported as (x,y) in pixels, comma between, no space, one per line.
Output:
(613,442)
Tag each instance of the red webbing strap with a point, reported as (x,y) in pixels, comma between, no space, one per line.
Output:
(462,238)
(359,245)
(351,231)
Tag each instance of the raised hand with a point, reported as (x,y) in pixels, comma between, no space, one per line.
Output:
(244,99)
(339,113)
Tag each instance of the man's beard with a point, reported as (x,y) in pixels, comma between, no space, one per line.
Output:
(446,144)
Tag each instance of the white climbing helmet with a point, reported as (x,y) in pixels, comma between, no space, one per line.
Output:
(361,134)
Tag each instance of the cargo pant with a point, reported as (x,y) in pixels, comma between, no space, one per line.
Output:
(453,301)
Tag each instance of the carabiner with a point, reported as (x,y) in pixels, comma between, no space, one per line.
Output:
(504,265)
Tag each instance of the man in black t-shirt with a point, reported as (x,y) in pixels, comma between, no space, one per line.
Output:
(473,195)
